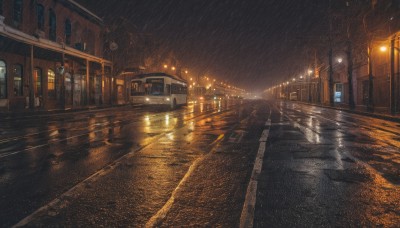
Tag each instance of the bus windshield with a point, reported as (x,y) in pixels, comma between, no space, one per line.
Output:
(155,86)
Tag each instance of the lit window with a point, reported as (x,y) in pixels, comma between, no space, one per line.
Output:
(51,78)
(37,79)
(3,80)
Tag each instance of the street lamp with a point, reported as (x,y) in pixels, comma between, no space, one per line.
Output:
(383,48)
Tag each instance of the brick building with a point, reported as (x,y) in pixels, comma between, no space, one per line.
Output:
(51,56)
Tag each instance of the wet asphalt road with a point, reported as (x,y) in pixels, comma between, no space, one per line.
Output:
(135,166)
(129,166)
(328,168)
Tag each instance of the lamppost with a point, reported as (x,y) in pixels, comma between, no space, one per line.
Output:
(319,89)
(370,104)
(309,85)
(113,79)
(393,107)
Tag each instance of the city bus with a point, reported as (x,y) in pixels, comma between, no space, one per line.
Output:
(158,89)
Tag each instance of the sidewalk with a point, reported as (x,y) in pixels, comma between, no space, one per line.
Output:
(40,112)
(380,113)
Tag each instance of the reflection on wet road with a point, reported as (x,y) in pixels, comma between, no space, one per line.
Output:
(132,166)
(326,167)
(371,140)
(48,161)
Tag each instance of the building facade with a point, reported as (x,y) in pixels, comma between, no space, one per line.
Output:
(51,56)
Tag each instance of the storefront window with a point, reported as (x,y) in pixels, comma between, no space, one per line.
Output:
(37,79)
(3,80)
(338,92)
(51,77)
(17,74)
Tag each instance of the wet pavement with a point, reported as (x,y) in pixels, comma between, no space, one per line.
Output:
(327,168)
(143,166)
(122,167)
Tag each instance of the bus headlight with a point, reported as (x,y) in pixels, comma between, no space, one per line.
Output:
(167,99)
(147,99)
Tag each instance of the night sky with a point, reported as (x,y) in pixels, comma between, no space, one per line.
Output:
(253,44)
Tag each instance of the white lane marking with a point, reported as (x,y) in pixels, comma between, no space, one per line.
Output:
(264,135)
(156,219)
(268,123)
(259,160)
(247,216)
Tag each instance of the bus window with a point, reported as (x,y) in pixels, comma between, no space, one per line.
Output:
(167,89)
(178,89)
(137,88)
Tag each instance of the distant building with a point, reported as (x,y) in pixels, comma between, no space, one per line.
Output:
(51,56)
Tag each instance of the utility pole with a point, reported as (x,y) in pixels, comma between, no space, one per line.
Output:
(370,102)
(350,74)
(331,101)
(392,77)
(349,53)
(330,53)
(31,84)
(370,105)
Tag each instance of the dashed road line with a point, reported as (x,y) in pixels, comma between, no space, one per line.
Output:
(247,216)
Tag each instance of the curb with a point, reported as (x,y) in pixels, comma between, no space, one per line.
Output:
(363,113)
(30,113)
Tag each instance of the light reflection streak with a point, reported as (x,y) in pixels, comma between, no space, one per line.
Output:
(92,135)
(191,126)
(147,119)
(171,136)
(339,139)
(167,119)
